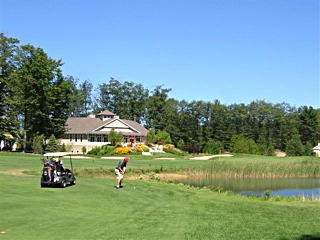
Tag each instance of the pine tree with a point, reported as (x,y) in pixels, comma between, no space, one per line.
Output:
(52,145)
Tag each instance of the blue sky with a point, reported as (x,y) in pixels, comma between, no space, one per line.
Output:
(236,51)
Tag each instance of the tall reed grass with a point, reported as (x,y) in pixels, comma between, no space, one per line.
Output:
(223,168)
(305,169)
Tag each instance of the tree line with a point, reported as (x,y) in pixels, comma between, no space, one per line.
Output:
(36,99)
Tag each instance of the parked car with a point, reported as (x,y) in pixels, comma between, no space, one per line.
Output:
(54,173)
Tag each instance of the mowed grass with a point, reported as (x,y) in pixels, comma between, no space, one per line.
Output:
(94,209)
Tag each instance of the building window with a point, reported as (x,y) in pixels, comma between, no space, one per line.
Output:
(105,138)
(80,137)
(70,137)
(91,138)
(138,139)
(98,138)
(76,137)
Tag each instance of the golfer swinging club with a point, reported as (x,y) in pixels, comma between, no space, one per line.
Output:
(120,171)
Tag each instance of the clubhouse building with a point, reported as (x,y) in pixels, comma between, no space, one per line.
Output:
(93,131)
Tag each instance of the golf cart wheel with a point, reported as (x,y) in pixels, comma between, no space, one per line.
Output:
(63,183)
(42,184)
(73,182)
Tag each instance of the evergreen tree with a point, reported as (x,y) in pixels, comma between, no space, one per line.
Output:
(295,147)
(52,145)
(38,144)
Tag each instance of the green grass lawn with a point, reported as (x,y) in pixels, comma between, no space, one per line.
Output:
(94,209)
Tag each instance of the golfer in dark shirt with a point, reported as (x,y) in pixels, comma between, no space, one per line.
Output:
(120,171)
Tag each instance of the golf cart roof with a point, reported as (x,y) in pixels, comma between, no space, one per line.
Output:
(56,154)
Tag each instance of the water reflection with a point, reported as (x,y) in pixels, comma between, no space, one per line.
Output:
(257,186)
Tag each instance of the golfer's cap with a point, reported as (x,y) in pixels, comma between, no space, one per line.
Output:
(126,159)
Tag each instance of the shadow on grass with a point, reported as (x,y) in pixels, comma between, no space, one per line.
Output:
(307,237)
(310,237)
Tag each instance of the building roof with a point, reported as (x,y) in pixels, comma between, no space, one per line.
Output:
(83,125)
(317,148)
(106,113)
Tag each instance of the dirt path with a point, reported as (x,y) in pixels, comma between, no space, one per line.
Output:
(18,172)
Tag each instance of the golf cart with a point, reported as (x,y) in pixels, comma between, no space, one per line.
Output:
(54,173)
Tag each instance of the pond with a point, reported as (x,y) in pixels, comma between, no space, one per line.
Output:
(288,187)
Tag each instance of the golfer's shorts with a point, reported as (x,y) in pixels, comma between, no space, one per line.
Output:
(118,173)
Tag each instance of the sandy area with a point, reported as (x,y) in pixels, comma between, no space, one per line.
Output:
(162,176)
(211,156)
(171,176)
(79,157)
(278,153)
(112,157)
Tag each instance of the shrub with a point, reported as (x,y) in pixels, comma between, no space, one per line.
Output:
(240,144)
(175,151)
(180,143)
(84,150)
(163,137)
(140,147)
(267,194)
(94,151)
(102,151)
(145,149)
(168,146)
(192,148)
(213,147)
(124,150)
(107,150)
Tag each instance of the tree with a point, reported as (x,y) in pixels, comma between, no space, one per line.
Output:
(63,148)
(172,119)
(189,122)
(38,144)
(308,149)
(52,145)
(124,99)
(8,66)
(213,147)
(295,147)
(253,147)
(239,144)
(180,144)
(115,137)
(155,108)
(151,136)
(41,94)
(309,125)
(219,123)
(80,100)
(162,137)
(86,99)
